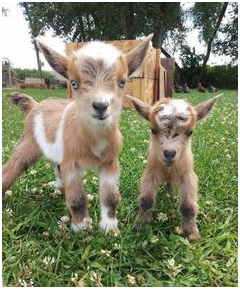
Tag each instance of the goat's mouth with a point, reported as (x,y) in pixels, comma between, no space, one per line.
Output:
(169,162)
(100,116)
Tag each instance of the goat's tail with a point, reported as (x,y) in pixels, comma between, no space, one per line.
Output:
(24,101)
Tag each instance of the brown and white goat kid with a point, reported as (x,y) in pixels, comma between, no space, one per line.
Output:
(170,157)
(82,134)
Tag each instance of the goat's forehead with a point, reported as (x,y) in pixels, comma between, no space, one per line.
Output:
(99,51)
(176,106)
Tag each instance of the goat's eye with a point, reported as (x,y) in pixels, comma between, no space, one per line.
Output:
(75,84)
(154,132)
(175,135)
(122,83)
(189,133)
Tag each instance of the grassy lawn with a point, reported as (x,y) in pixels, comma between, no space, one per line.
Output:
(39,250)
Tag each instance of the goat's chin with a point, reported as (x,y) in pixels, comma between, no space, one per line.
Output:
(102,122)
(168,163)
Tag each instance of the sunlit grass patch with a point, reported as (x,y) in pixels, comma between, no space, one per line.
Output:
(40,250)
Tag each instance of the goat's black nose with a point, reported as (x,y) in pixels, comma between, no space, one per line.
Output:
(169,154)
(100,106)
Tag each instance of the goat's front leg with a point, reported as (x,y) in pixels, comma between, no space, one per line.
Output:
(76,199)
(188,205)
(109,196)
(149,184)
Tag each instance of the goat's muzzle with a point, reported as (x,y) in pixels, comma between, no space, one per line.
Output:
(101,109)
(169,156)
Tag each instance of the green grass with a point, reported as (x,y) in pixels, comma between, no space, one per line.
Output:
(32,210)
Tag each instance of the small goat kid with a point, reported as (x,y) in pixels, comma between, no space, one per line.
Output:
(81,134)
(170,157)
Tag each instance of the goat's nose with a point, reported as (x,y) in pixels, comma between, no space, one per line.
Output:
(169,154)
(100,106)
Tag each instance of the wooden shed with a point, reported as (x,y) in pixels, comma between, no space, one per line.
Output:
(149,82)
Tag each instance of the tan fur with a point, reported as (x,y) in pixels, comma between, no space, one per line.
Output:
(89,139)
(173,133)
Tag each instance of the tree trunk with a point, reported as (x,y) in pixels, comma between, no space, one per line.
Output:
(126,21)
(157,37)
(25,5)
(125,27)
(209,45)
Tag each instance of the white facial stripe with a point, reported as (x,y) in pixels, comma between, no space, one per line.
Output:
(107,98)
(177,106)
(99,50)
(52,151)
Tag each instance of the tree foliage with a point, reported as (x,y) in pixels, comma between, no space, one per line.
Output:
(207,17)
(84,21)
(228,34)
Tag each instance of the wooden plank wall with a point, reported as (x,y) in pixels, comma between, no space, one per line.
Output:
(169,65)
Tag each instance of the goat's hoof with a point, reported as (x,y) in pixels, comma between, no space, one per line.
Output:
(110,226)
(193,237)
(86,224)
(192,233)
(142,219)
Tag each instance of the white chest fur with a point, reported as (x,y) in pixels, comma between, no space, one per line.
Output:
(100,148)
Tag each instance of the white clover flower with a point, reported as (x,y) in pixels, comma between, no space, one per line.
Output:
(106,253)
(62,225)
(96,278)
(131,280)
(48,261)
(94,180)
(90,197)
(76,281)
(55,194)
(33,172)
(154,239)
(8,193)
(144,161)
(171,263)
(74,277)
(51,184)
(162,217)
(9,212)
(65,219)
(178,230)
(175,269)
(117,246)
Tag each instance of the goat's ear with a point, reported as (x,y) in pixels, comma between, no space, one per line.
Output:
(57,61)
(142,108)
(205,107)
(136,56)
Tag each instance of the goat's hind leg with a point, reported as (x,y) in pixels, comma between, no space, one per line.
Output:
(59,182)
(26,153)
